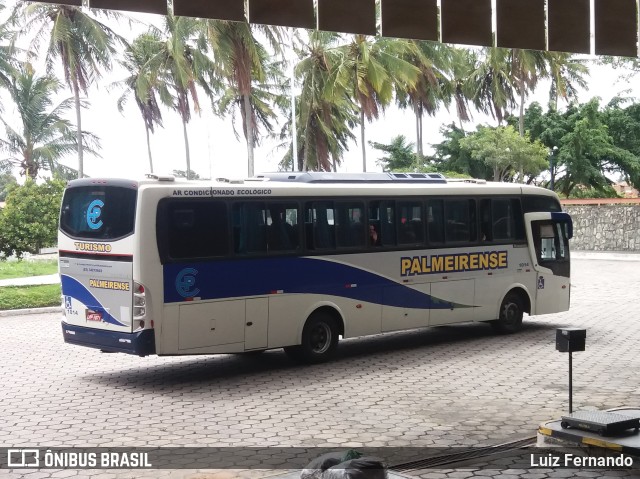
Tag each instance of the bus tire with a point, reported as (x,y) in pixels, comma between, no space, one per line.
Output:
(510,317)
(319,340)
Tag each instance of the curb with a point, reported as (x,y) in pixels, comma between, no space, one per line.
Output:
(22,312)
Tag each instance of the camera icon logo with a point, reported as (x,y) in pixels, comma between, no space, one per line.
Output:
(23,458)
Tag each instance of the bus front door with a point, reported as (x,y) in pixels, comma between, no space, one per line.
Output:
(548,235)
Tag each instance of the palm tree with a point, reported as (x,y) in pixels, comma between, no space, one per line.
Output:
(463,64)
(567,75)
(427,93)
(325,112)
(180,66)
(491,85)
(527,67)
(83,45)
(375,66)
(8,60)
(143,82)
(44,136)
(243,63)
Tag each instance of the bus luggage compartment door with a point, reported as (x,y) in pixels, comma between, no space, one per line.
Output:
(211,324)
(256,324)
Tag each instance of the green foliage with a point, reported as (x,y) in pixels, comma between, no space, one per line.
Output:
(183,174)
(606,192)
(506,152)
(451,158)
(30,296)
(21,269)
(7,183)
(591,144)
(399,154)
(30,219)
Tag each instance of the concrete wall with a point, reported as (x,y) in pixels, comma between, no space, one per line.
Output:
(605,227)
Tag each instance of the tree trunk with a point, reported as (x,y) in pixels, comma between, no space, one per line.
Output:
(364,153)
(521,119)
(186,148)
(496,174)
(249,129)
(417,133)
(146,129)
(76,95)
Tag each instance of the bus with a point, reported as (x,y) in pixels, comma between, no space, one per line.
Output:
(300,260)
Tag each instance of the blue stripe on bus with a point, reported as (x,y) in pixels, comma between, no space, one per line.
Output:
(256,277)
(75,289)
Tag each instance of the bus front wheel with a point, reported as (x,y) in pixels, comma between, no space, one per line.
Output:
(319,340)
(510,316)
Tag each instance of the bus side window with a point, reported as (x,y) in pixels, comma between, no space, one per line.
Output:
(319,223)
(457,221)
(350,224)
(382,218)
(282,232)
(250,226)
(486,231)
(194,229)
(435,221)
(411,227)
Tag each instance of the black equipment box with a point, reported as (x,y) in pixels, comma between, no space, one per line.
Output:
(600,422)
(569,340)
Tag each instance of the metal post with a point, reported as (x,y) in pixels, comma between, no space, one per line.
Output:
(570,382)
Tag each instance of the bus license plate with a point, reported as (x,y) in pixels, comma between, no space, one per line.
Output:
(93,315)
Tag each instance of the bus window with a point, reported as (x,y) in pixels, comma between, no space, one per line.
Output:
(349,224)
(196,229)
(503,227)
(540,203)
(435,221)
(486,231)
(282,227)
(460,221)
(319,225)
(411,227)
(98,212)
(249,227)
(382,218)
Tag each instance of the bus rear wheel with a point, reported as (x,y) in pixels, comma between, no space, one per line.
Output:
(319,340)
(510,316)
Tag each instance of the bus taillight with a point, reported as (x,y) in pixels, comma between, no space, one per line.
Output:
(139,303)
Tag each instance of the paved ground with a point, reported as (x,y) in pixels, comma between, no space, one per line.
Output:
(450,386)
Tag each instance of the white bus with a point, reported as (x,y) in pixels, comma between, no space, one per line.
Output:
(297,260)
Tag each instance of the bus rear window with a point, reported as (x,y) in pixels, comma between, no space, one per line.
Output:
(98,212)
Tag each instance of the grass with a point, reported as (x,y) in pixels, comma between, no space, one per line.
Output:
(20,297)
(21,269)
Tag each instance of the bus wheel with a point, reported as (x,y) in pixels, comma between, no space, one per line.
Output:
(319,340)
(511,312)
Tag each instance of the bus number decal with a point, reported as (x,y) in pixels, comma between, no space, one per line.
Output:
(186,282)
(93,214)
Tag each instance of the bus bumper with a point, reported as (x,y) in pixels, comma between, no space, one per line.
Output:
(141,343)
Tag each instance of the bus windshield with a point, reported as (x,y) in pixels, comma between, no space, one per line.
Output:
(98,212)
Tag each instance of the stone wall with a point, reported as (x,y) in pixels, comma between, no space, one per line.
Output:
(605,227)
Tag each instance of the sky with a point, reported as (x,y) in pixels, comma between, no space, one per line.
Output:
(215,150)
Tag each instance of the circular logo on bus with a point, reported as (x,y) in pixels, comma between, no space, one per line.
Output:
(93,214)
(186,283)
